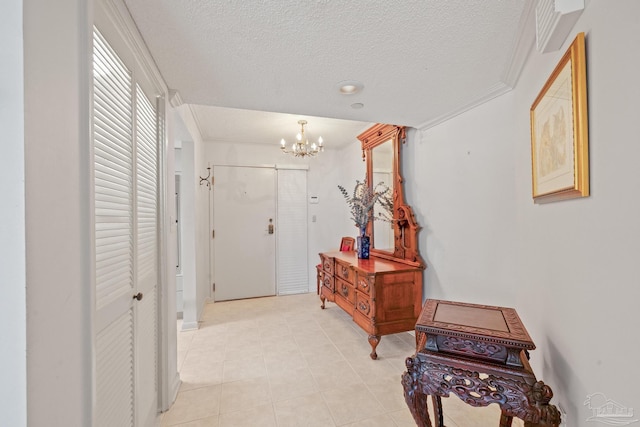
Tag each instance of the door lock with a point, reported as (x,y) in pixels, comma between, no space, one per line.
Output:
(270,225)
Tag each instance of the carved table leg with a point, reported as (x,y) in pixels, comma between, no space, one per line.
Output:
(437,411)
(421,414)
(505,420)
(541,424)
(322,298)
(416,400)
(373,342)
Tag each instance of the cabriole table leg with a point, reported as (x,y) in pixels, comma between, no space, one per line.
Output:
(374,340)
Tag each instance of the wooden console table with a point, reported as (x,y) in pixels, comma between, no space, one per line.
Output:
(382,296)
(479,353)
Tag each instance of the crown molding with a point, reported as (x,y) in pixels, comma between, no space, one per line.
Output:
(493,92)
(519,54)
(175,100)
(190,120)
(119,14)
(523,45)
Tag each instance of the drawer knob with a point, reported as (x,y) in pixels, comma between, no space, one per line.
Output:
(363,307)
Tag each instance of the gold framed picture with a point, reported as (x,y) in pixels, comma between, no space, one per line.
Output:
(559,130)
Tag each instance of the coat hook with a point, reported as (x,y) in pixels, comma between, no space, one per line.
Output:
(206,180)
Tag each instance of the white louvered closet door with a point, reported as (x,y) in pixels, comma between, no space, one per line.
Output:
(146,257)
(125,161)
(113,158)
(292,269)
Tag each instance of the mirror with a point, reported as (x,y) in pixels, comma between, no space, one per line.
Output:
(382,172)
(396,240)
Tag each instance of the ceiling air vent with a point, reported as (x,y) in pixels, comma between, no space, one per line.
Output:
(554,20)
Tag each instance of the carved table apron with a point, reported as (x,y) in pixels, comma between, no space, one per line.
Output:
(479,353)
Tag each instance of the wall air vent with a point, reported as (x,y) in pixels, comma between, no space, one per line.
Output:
(554,21)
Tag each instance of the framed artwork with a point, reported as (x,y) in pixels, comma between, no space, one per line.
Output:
(559,130)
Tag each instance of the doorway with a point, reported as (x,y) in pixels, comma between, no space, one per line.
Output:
(244,212)
(260,231)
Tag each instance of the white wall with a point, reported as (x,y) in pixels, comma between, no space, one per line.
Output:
(57,61)
(332,212)
(462,188)
(350,167)
(169,336)
(324,174)
(189,258)
(203,232)
(195,221)
(13,327)
(567,267)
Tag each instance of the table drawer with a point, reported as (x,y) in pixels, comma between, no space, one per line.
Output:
(364,305)
(364,283)
(344,304)
(328,282)
(345,272)
(327,264)
(345,290)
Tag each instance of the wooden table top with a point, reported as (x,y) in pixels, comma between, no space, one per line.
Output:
(473,321)
(372,264)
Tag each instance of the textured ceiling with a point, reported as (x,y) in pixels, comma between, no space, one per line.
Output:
(418,60)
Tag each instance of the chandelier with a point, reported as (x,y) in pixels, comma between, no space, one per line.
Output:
(301,147)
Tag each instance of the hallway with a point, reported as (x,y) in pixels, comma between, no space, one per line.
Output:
(282,361)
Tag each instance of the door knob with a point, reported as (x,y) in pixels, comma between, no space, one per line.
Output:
(270,226)
(138,296)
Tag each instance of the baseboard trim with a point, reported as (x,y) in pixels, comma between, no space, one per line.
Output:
(174,388)
(189,326)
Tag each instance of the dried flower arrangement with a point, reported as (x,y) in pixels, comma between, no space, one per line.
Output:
(363,200)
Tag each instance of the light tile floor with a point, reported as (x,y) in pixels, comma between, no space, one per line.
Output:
(283,361)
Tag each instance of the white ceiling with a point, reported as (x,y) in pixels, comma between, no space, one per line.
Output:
(250,126)
(419,61)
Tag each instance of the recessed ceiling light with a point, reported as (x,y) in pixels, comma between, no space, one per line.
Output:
(357,105)
(349,87)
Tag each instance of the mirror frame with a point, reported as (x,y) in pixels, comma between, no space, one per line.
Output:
(405,227)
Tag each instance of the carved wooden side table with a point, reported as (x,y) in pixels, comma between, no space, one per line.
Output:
(479,353)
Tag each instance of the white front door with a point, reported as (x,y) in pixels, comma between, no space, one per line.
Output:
(244,215)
